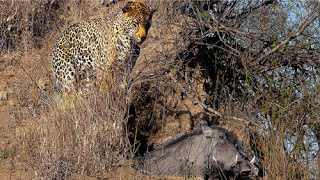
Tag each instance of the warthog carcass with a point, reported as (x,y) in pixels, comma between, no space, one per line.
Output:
(205,153)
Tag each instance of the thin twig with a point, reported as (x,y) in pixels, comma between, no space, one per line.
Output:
(262,59)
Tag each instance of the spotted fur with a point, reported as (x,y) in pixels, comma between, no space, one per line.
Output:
(90,50)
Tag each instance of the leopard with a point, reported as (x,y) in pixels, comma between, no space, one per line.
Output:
(88,51)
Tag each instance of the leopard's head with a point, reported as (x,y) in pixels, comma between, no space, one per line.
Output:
(141,15)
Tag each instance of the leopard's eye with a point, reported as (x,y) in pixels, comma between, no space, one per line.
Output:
(135,25)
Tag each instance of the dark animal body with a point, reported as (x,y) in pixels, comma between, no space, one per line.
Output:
(205,153)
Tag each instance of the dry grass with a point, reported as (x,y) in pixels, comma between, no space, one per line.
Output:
(25,23)
(52,142)
(91,138)
(86,139)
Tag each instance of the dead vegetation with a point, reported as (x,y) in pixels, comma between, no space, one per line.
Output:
(247,66)
(25,23)
(85,139)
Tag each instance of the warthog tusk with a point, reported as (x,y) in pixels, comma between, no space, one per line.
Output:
(236,158)
(253,160)
(214,158)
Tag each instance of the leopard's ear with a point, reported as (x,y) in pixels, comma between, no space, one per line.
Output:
(127,7)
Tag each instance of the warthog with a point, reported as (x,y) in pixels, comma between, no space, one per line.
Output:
(205,153)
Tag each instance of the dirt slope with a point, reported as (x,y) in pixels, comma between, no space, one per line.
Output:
(26,83)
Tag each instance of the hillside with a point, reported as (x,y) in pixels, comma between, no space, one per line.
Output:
(250,72)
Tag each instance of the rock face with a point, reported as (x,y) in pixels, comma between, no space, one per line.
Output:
(204,153)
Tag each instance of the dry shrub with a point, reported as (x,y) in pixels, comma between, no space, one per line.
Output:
(90,138)
(23,24)
(275,96)
(86,139)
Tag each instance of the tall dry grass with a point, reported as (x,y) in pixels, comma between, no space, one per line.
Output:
(25,23)
(91,137)
(85,139)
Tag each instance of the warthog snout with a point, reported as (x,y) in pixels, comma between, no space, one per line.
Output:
(245,169)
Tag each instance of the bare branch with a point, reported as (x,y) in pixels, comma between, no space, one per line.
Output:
(251,8)
(309,19)
(196,100)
